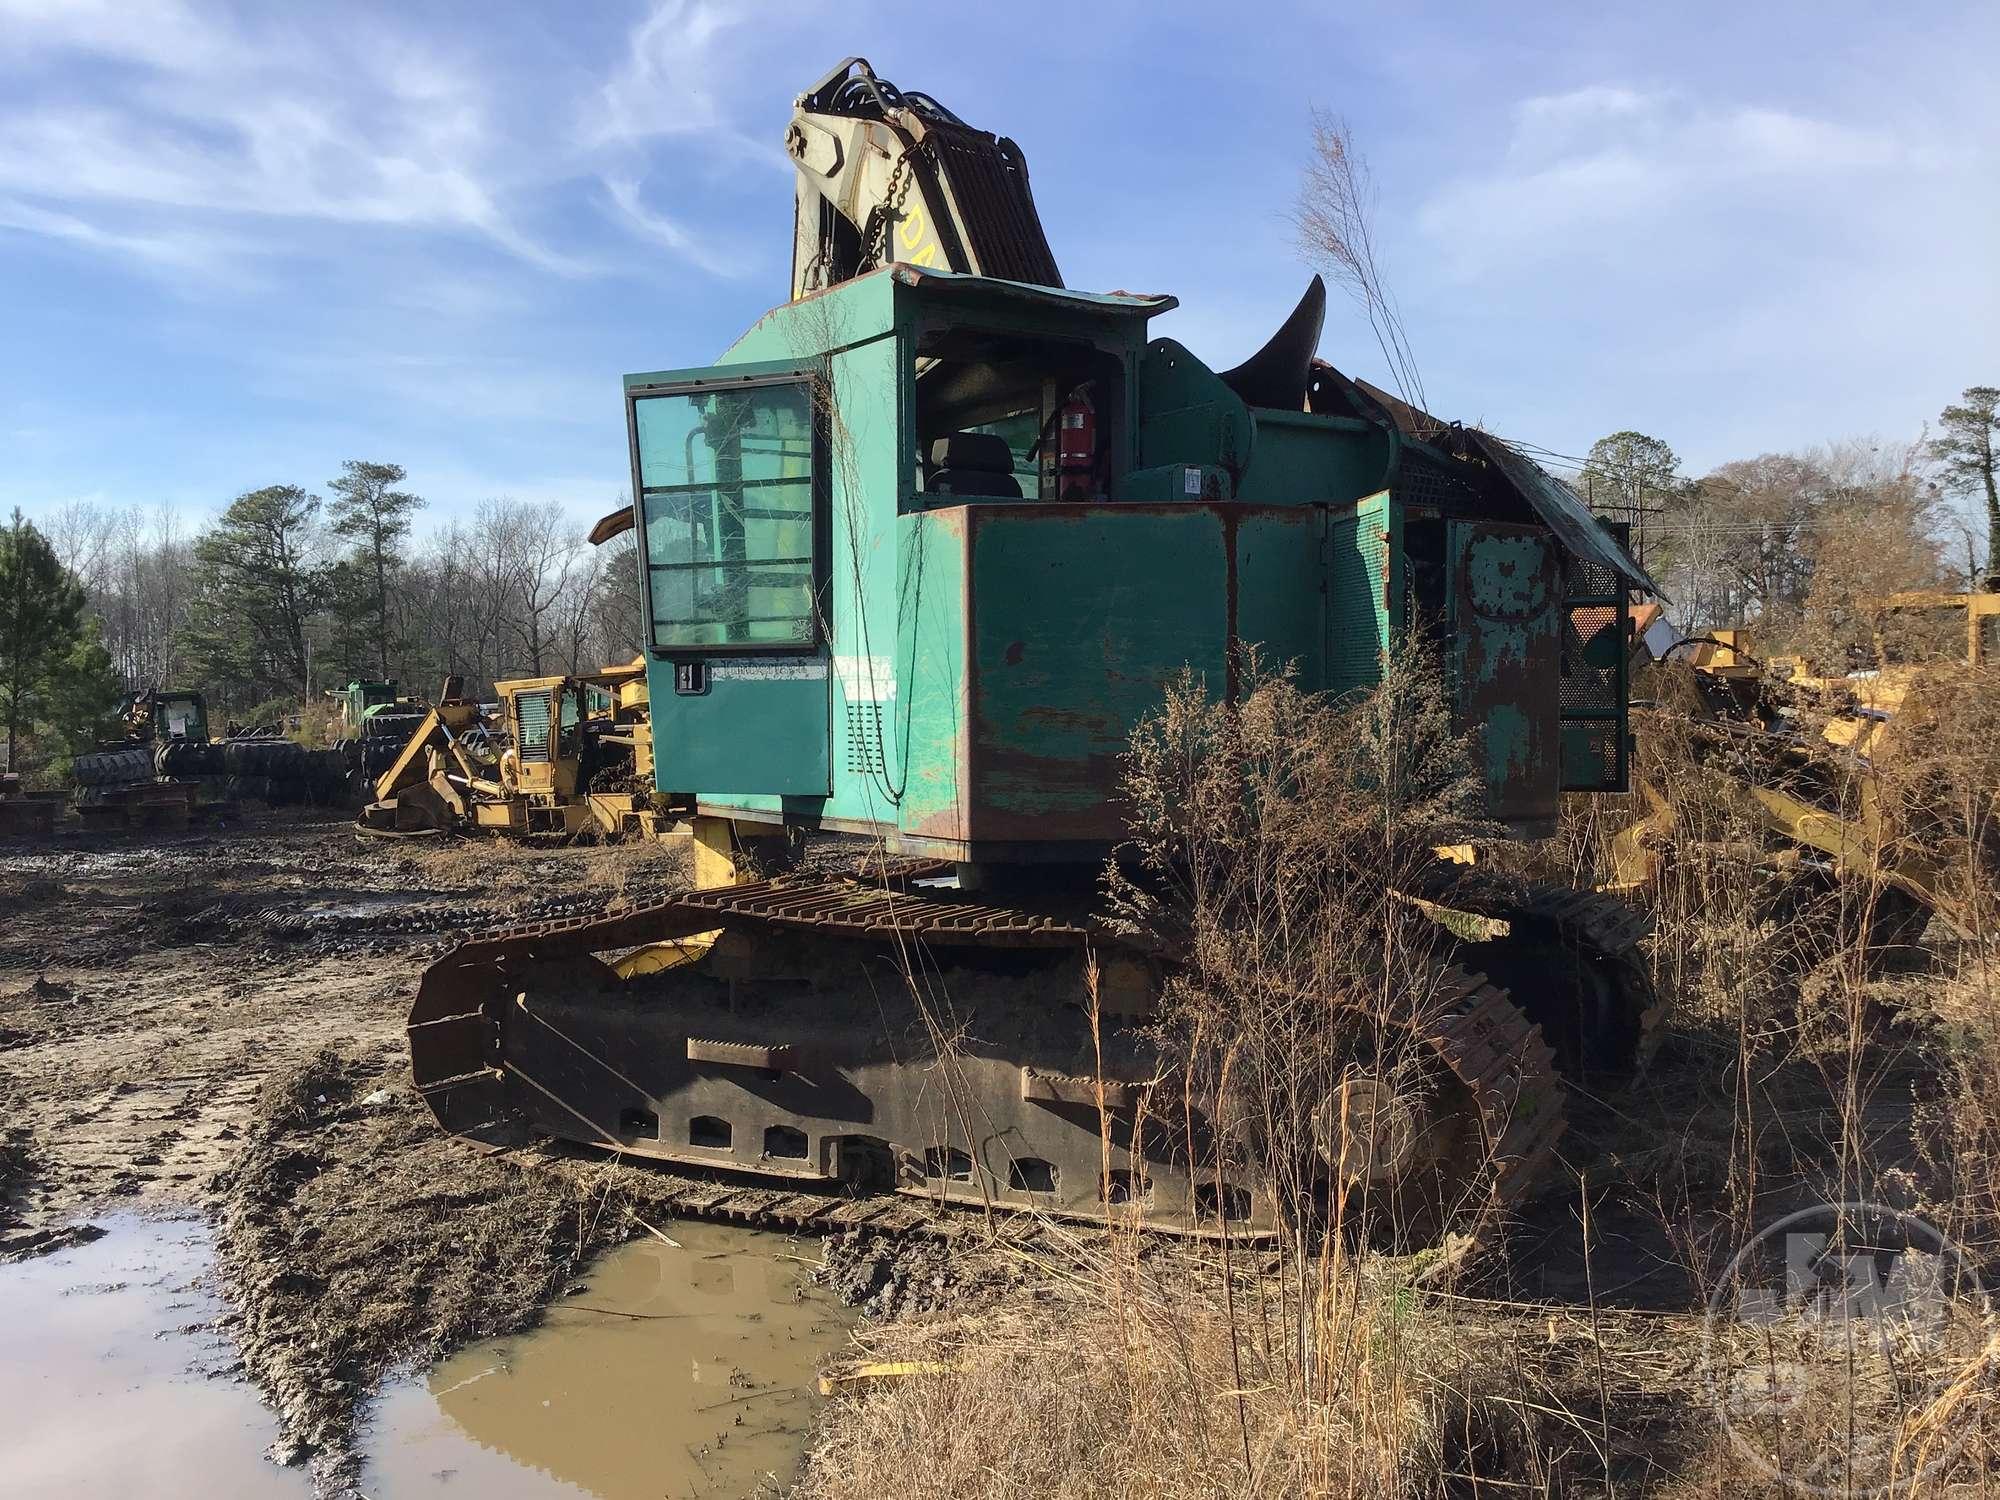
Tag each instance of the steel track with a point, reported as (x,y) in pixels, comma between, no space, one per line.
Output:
(1496,1055)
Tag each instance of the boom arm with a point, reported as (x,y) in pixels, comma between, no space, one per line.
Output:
(887,176)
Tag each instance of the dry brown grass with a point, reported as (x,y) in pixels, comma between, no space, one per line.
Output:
(1800,1067)
(1271,842)
(1122,1376)
(634,869)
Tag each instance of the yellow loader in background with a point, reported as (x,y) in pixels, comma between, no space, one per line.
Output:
(563,755)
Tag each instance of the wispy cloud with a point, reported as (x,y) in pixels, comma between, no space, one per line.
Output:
(625,194)
(683,69)
(162,33)
(279,121)
(175,249)
(675,79)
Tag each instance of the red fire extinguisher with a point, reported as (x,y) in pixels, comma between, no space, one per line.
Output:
(1076,448)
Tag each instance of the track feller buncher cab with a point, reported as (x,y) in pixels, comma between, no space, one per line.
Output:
(149,777)
(373,726)
(918,552)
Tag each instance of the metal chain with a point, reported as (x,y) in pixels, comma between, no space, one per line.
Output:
(876,246)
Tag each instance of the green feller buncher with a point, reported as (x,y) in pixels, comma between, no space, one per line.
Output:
(151,777)
(375,724)
(917,553)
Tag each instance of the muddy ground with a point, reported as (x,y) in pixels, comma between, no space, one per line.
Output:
(213,1022)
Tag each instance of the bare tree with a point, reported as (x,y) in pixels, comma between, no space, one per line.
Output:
(577,614)
(142,595)
(81,533)
(545,553)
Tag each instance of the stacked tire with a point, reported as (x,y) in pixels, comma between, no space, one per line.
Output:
(185,760)
(113,767)
(268,769)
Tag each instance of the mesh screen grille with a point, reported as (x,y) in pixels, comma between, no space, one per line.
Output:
(1592,692)
(531,712)
(1423,480)
(1585,685)
(1359,593)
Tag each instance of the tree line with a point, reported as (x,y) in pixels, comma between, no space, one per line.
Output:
(1795,543)
(289,593)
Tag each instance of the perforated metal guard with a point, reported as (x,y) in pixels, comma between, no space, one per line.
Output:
(531,711)
(1423,480)
(864,739)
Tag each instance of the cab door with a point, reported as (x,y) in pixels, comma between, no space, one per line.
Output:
(729,472)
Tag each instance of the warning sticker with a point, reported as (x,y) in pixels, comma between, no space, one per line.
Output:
(770,669)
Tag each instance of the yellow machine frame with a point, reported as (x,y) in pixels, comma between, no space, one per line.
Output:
(1863,844)
(533,789)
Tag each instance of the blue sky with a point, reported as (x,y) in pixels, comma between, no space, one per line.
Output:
(239,243)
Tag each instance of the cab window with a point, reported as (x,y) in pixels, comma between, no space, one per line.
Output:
(987,404)
(726,481)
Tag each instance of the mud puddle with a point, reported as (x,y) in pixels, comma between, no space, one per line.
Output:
(113,1382)
(673,1372)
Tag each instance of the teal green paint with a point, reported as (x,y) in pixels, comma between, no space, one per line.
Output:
(1080,620)
(761,721)
(1175,482)
(1301,456)
(1589,764)
(1509,744)
(1505,623)
(931,726)
(851,313)
(982,664)
(1187,415)
(765,733)
(866,424)
(1280,581)
(1364,590)
(1510,585)
(722,375)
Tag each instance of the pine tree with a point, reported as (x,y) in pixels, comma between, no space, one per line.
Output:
(41,617)
(83,693)
(1969,453)
(255,589)
(374,515)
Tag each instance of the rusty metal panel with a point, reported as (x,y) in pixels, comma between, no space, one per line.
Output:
(1506,611)
(930,727)
(1558,505)
(1081,615)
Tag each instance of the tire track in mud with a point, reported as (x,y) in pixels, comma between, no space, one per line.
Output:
(140,1104)
(150,987)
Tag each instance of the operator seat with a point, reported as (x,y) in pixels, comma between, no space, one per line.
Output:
(973,463)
